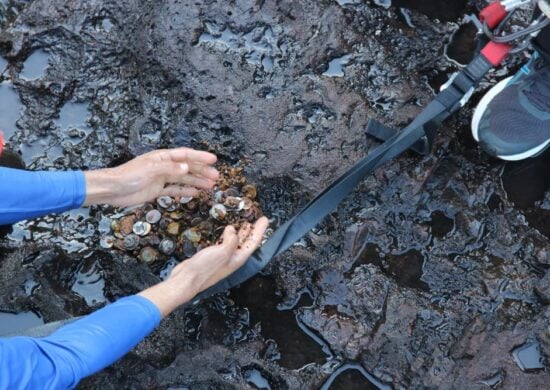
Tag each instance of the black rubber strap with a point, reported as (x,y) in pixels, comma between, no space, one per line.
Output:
(446,102)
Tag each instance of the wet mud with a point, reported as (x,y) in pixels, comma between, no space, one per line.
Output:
(433,274)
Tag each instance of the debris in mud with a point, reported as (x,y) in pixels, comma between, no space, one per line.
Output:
(529,357)
(182,227)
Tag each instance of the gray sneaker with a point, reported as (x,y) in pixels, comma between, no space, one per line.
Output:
(512,120)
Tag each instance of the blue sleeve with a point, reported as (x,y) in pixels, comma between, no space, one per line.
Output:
(26,194)
(79,349)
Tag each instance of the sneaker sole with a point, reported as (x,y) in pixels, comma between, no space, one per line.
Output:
(480,110)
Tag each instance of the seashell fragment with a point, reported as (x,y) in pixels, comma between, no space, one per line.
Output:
(193,235)
(218,211)
(130,242)
(249,191)
(148,255)
(107,242)
(167,246)
(232,191)
(115,226)
(245,204)
(188,249)
(218,196)
(126,224)
(165,202)
(141,228)
(185,199)
(153,216)
(232,201)
(173,228)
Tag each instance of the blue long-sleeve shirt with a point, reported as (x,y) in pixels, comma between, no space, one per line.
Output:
(83,347)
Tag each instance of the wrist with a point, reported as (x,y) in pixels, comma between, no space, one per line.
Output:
(100,186)
(170,294)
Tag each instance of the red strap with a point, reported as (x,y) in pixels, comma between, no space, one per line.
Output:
(492,14)
(495,53)
(1,142)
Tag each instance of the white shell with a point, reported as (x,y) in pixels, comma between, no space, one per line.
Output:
(141,228)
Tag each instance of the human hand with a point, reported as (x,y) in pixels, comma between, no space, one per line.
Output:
(173,172)
(207,267)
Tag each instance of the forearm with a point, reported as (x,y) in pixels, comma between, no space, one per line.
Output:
(171,293)
(25,194)
(78,349)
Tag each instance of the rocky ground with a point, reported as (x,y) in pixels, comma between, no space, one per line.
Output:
(434,274)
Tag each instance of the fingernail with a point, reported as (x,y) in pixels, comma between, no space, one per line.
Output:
(184,167)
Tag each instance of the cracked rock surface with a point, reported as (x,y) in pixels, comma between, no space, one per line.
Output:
(431,275)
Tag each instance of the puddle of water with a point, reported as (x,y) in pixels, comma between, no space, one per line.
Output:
(406,15)
(407,269)
(89,282)
(258,45)
(446,11)
(441,224)
(167,269)
(353,376)
(35,66)
(494,381)
(461,48)
(41,148)
(368,254)
(10,322)
(73,122)
(255,378)
(336,66)
(529,357)
(10,109)
(296,348)
(3,65)
(30,286)
(383,3)
(107,25)
(348,2)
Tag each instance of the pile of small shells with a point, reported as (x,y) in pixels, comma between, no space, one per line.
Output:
(181,227)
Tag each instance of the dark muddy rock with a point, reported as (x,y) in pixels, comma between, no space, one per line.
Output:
(430,275)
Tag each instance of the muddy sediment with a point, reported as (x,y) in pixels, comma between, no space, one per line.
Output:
(434,273)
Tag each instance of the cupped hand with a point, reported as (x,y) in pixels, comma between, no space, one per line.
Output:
(207,267)
(174,172)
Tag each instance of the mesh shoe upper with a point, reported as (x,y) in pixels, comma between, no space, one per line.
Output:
(517,120)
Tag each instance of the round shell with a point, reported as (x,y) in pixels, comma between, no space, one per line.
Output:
(167,246)
(148,255)
(185,199)
(245,204)
(218,211)
(130,242)
(142,228)
(193,235)
(249,191)
(165,202)
(153,216)
(173,228)
(107,242)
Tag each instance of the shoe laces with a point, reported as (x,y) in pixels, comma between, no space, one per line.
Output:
(539,93)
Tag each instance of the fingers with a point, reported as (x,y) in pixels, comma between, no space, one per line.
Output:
(196,181)
(178,173)
(244,232)
(176,191)
(203,170)
(190,155)
(253,241)
(230,240)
